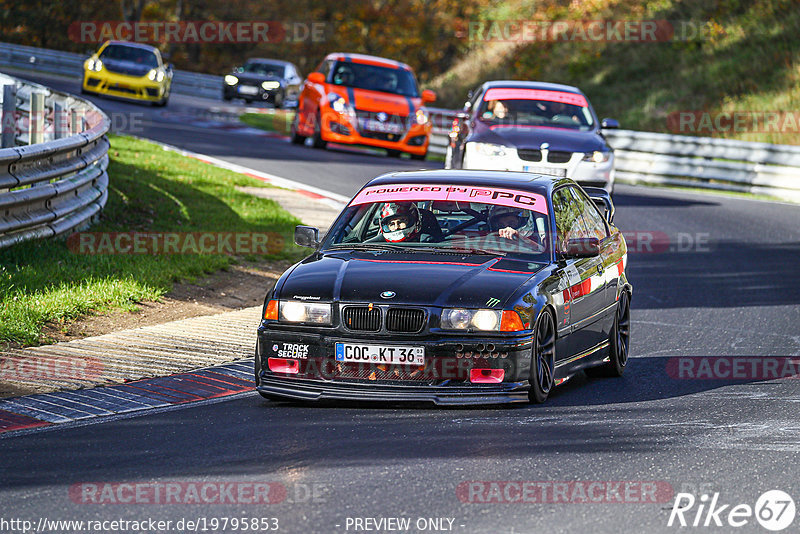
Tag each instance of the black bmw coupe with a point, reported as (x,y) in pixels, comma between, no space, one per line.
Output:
(454,287)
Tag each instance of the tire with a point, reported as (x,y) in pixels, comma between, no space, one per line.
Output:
(295,137)
(393,153)
(227,98)
(318,141)
(543,357)
(161,103)
(618,342)
(419,157)
(278,100)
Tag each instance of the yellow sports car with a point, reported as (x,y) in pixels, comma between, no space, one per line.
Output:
(128,70)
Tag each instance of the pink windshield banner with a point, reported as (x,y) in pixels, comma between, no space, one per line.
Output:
(452,193)
(500,93)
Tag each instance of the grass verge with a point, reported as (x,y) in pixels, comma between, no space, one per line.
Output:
(273,120)
(151,190)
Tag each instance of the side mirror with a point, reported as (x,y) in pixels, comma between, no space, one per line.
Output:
(603,201)
(428,96)
(306,236)
(316,77)
(584,247)
(609,124)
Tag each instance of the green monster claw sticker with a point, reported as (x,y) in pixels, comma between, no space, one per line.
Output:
(492,302)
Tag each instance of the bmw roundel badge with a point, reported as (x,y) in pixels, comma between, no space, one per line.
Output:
(388,294)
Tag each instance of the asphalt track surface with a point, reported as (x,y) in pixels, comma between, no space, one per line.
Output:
(713,276)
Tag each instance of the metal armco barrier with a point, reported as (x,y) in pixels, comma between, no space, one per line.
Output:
(51,188)
(706,162)
(701,162)
(71,64)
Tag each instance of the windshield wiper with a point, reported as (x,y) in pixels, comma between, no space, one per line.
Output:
(480,251)
(369,246)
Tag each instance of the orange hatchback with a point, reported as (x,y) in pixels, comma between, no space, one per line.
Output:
(364,100)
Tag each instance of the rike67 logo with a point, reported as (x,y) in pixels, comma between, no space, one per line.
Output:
(774,510)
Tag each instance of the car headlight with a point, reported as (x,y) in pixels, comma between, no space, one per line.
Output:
(230,79)
(292,311)
(489,149)
(461,319)
(94,65)
(340,105)
(484,320)
(598,156)
(270,85)
(422,116)
(156,75)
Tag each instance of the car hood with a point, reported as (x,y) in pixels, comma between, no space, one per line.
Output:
(125,67)
(418,278)
(375,101)
(560,139)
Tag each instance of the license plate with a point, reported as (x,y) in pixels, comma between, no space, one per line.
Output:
(352,352)
(553,171)
(248,90)
(384,127)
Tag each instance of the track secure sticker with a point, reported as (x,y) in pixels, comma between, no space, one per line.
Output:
(297,351)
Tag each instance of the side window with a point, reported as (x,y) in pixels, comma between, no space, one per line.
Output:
(325,68)
(569,219)
(594,222)
(476,100)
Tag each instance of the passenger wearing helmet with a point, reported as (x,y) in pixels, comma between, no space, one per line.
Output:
(511,223)
(400,221)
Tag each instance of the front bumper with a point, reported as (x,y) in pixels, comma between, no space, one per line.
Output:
(234,91)
(444,379)
(339,128)
(318,390)
(123,86)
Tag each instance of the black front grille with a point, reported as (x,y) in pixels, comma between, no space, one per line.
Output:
(530,154)
(404,320)
(381,136)
(559,157)
(362,318)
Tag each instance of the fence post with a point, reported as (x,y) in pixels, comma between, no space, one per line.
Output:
(9,123)
(36,118)
(60,127)
(76,118)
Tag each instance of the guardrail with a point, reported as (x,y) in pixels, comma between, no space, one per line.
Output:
(706,162)
(60,183)
(664,159)
(71,64)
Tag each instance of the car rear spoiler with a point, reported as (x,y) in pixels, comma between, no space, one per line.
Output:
(603,201)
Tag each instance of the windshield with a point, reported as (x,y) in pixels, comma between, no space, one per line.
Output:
(374,78)
(130,53)
(535,107)
(445,218)
(264,69)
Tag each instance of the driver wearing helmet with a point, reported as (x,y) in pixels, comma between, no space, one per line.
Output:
(400,221)
(511,223)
